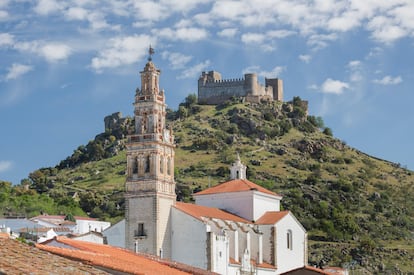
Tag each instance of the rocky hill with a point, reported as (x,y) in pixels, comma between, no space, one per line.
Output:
(358,209)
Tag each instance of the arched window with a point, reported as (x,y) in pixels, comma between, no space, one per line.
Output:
(169,166)
(161,164)
(289,239)
(237,174)
(147,164)
(134,166)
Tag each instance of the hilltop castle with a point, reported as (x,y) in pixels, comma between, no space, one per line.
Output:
(212,89)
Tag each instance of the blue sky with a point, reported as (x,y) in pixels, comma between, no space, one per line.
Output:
(65,65)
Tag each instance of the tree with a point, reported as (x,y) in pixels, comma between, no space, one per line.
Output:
(38,181)
(70,217)
(182,112)
(327,131)
(190,100)
(88,201)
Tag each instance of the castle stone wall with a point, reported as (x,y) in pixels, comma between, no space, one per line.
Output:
(212,89)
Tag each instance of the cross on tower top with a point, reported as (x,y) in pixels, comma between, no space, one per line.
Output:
(150,53)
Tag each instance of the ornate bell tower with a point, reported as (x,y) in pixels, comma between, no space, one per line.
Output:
(150,185)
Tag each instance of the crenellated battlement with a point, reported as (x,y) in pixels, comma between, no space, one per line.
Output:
(212,89)
(213,83)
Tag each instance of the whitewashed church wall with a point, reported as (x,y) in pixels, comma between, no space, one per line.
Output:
(238,203)
(220,255)
(263,203)
(288,259)
(267,242)
(189,239)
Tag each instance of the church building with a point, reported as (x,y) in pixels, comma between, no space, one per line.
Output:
(235,227)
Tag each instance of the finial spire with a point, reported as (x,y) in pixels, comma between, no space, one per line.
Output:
(150,52)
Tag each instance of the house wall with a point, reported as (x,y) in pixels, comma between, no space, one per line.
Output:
(189,239)
(288,259)
(115,235)
(84,226)
(93,238)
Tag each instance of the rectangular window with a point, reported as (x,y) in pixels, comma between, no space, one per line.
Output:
(140,232)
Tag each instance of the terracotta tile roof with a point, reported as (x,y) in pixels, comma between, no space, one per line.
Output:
(198,211)
(61,217)
(271,217)
(44,229)
(118,259)
(233,261)
(265,265)
(306,270)
(19,258)
(238,185)
(253,262)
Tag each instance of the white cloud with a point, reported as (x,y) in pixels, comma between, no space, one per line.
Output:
(354,63)
(229,32)
(320,41)
(253,38)
(182,6)
(5,165)
(388,80)
(280,33)
(141,24)
(150,11)
(17,70)
(385,30)
(54,52)
(122,51)
(76,13)
(45,7)
(404,13)
(194,71)
(276,71)
(228,9)
(185,34)
(4,3)
(305,58)
(331,86)
(345,22)
(355,69)
(177,60)
(6,39)
(97,21)
(374,52)
(4,15)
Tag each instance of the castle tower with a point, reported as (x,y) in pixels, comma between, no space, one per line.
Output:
(150,186)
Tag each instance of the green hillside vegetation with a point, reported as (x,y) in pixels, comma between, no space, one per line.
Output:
(358,210)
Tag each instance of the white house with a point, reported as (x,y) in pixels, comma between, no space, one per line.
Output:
(92,237)
(80,226)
